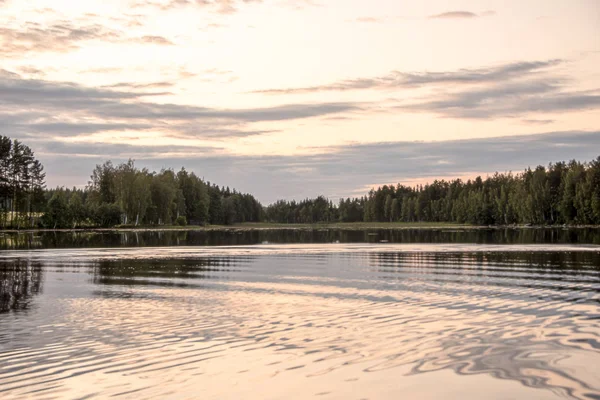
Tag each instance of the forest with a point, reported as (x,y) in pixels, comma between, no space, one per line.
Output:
(562,193)
(125,195)
(22,185)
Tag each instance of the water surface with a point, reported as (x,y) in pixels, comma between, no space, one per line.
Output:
(279,321)
(233,237)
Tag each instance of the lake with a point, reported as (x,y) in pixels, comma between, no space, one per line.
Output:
(326,314)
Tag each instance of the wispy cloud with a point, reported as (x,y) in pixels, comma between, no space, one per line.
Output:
(445,15)
(153,39)
(30,70)
(506,90)
(216,6)
(509,100)
(62,36)
(301,4)
(397,79)
(537,121)
(455,15)
(88,109)
(369,19)
(103,70)
(138,85)
(462,15)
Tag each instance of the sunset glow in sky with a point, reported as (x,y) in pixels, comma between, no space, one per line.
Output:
(295,98)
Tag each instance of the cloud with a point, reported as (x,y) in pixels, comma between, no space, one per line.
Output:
(170,74)
(537,121)
(216,6)
(369,20)
(88,109)
(300,4)
(152,111)
(29,70)
(103,70)
(60,128)
(132,85)
(62,36)
(210,26)
(446,15)
(462,15)
(160,40)
(396,79)
(506,90)
(334,171)
(119,150)
(455,15)
(509,100)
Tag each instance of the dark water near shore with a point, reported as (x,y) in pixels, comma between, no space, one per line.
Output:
(464,315)
(46,240)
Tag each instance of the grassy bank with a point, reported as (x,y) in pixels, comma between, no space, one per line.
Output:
(275,226)
(263,226)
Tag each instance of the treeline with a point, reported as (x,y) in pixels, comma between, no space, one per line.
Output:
(21,184)
(561,193)
(126,195)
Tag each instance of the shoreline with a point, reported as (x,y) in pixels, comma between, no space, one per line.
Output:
(348,226)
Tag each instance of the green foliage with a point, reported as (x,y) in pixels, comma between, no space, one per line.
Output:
(57,214)
(21,185)
(196,197)
(76,209)
(307,211)
(561,193)
(106,215)
(126,195)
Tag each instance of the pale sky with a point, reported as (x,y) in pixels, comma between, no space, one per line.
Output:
(296,98)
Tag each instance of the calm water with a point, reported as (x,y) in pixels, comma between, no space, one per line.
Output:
(47,240)
(278,321)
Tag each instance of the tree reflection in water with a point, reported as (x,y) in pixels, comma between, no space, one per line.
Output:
(20,281)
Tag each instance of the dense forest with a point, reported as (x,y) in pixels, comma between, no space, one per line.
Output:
(128,196)
(558,194)
(115,195)
(21,184)
(124,195)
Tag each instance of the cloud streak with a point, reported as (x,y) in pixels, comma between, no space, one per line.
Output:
(89,109)
(399,80)
(509,100)
(64,36)
(455,15)
(461,15)
(215,6)
(501,91)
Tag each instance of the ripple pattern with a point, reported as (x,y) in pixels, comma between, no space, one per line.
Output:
(323,321)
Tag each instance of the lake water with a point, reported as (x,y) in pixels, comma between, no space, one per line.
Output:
(436,314)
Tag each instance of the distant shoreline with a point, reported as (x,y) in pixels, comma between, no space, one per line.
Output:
(349,226)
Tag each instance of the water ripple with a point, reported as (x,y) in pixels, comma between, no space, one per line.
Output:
(301,321)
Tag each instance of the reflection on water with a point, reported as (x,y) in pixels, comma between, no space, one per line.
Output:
(19,281)
(331,321)
(45,240)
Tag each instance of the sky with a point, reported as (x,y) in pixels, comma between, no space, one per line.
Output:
(289,99)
